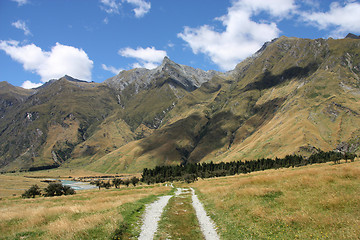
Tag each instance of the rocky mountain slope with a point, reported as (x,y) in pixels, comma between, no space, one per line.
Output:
(292,96)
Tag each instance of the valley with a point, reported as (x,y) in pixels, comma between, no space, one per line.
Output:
(309,202)
(293,96)
(263,123)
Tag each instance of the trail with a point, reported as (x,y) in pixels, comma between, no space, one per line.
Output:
(152,216)
(206,224)
(154,211)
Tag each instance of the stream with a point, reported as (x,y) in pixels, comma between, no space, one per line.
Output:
(78,185)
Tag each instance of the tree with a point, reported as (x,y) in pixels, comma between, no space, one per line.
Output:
(106,185)
(68,190)
(98,183)
(57,189)
(127,182)
(117,182)
(33,191)
(134,181)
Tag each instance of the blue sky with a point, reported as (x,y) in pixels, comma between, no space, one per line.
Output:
(95,39)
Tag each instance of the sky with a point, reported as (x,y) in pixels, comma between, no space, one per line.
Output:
(93,40)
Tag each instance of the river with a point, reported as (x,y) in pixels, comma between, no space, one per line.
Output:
(77,185)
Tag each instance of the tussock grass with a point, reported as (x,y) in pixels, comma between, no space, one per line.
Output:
(90,214)
(314,202)
(179,219)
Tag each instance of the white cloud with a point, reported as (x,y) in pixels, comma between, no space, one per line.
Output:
(28,84)
(61,60)
(19,24)
(113,6)
(21,2)
(344,18)
(149,57)
(110,6)
(242,36)
(111,69)
(142,7)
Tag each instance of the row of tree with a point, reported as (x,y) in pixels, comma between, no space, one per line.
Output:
(53,189)
(116,182)
(192,171)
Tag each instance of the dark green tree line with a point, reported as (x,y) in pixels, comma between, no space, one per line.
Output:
(191,171)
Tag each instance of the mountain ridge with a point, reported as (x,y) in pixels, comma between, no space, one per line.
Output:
(293,96)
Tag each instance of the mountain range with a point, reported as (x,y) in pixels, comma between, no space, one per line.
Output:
(293,96)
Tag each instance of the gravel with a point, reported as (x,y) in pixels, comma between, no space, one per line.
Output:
(206,224)
(152,216)
(154,210)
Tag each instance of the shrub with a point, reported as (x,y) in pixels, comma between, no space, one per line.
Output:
(32,192)
(134,181)
(57,189)
(127,182)
(117,182)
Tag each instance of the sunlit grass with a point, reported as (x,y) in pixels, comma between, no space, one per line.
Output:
(320,201)
(90,214)
(179,219)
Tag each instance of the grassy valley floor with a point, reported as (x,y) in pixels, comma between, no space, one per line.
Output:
(313,202)
(90,214)
(320,201)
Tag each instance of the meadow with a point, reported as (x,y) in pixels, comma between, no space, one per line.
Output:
(321,201)
(90,214)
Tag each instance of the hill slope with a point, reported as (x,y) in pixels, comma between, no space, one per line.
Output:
(292,96)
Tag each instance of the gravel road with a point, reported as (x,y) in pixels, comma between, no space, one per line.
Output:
(152,216)
(154,210)
(206,224)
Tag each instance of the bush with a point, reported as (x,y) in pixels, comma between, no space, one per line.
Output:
(117,182)
(32,192)
(68,190)
(57,189)
(134,181)
(127,182)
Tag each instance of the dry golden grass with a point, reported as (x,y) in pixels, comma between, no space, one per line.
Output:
(13,184)
(78,216)
(319,201)
(16,183)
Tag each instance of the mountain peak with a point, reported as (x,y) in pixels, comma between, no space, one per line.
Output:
(167,61)
(71,79)
(352,36)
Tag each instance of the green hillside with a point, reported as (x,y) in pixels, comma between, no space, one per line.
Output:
(292,96)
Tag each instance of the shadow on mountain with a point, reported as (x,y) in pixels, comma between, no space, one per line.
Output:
(268,80)
(263,114)
(174,142)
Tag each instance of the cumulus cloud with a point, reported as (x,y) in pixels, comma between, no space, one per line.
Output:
(148,57)
(142,7)
(111,69)
(61,60)
(242,35)
(21,2)
(344,18)
(19,24)
(28,84)
(110,6)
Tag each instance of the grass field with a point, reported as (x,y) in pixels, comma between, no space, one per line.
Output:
(14,184)
(314,202)
(320,201)
(90,214)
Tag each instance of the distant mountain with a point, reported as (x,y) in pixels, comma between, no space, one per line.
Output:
(11,96)
(352,36)
(292,96)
